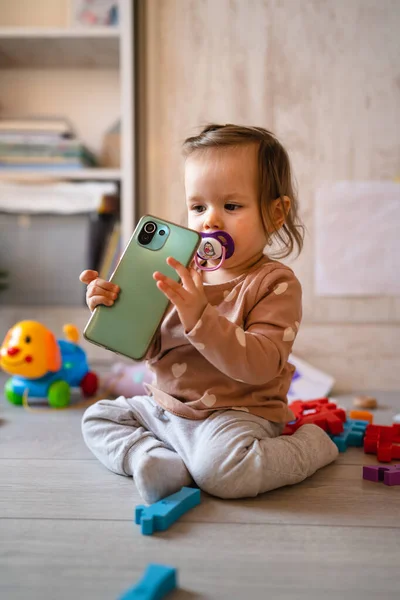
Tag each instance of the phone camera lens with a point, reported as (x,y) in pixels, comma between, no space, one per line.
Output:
(147,233)
(161,232)
(150,227)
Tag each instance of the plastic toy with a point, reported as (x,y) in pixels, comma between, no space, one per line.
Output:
(162,514)
(320,412)
(384,441)
(215,245)
(361,415)
(390,475)
(156,582)
(352,435)
(43,367)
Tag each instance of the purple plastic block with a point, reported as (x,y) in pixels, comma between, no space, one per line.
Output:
(388,474)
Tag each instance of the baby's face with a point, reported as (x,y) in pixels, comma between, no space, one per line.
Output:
(222,193)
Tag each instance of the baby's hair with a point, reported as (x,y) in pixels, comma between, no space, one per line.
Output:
(275,176)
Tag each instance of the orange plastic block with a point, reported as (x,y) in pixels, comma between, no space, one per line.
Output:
(384,441)
(319,412)
(361,415)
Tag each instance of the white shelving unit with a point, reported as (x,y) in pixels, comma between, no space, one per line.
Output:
(56,175)
(59,48)
(94,49)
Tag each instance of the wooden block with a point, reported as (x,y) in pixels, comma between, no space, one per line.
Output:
(365,402)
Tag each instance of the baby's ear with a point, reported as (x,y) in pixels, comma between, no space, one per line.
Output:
(280,210)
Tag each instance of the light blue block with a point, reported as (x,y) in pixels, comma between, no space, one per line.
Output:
(352,435)
(157,581)
(160,515)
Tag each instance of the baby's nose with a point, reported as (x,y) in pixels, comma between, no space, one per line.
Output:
(213,221)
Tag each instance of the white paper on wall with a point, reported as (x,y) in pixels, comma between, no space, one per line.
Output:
(357,237)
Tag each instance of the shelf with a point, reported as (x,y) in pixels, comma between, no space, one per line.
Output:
(58,32)
(95,47)
(54,174)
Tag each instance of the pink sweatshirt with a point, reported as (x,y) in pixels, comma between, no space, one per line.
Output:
(236,356)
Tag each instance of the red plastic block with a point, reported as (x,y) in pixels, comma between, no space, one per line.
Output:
(319,412)
(384,441)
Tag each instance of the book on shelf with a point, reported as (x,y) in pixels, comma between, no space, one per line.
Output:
(36,125)
(47,147)
(30,138)
(80,159)
(44,147)
(42,167)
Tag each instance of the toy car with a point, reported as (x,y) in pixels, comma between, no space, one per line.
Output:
(43,367)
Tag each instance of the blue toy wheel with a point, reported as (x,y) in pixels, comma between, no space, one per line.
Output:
(59,394)
(12,396)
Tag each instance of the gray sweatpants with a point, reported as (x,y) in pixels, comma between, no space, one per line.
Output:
(231,454)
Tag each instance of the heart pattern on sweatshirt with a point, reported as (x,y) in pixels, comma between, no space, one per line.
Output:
(178,369)
(209,400)
(281,288)
(289,334)
(195,328)
(241,336)
(199,346)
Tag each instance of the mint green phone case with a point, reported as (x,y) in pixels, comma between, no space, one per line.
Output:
(129,326)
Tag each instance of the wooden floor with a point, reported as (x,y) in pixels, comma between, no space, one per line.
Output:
(67,530)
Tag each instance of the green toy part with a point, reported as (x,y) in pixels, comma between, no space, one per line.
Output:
(59,394)
(10,394)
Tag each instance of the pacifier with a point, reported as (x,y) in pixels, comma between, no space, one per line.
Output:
(217,245)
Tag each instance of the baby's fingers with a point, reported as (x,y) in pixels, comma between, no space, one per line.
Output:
(93,301)
(97,288)
(88,276)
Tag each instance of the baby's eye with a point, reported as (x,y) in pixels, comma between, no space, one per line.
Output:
(232,207)
(198,208)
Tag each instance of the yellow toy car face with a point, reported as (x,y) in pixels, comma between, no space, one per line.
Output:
(29,350)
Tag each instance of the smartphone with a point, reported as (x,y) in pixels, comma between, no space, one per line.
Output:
(129,326)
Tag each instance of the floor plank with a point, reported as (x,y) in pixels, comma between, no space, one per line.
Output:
(67,531)
(336,495)
(55,434)
(97,561)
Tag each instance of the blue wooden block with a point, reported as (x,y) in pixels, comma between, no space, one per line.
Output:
(160,515)
(157,581)
(352,435)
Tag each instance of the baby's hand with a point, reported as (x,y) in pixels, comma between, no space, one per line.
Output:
(98,290)
(189,296)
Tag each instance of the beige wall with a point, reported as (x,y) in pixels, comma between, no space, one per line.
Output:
(87,98)
(35,13)
(324,76)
